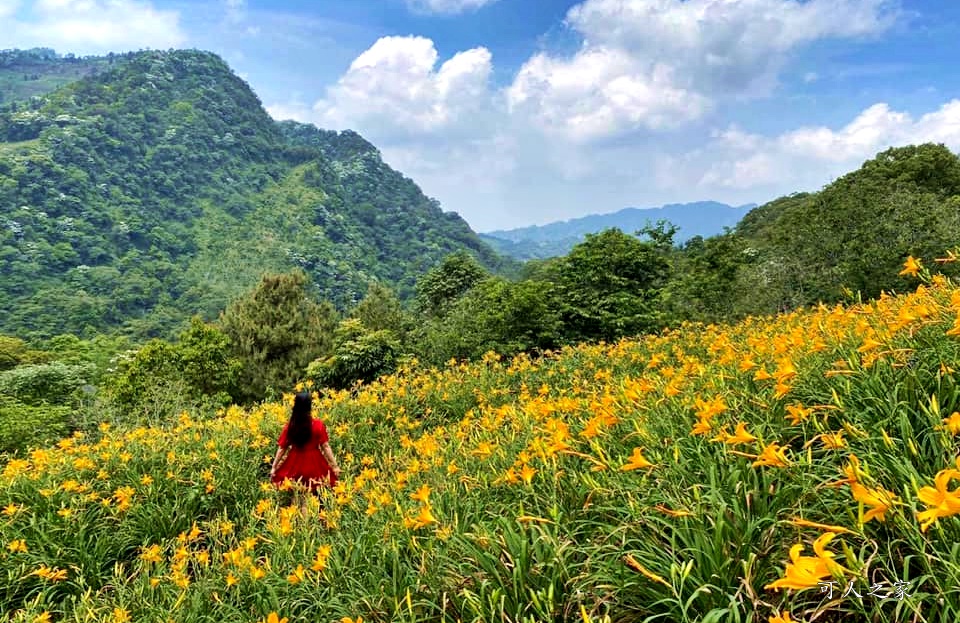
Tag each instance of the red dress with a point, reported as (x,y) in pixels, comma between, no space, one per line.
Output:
(305,464)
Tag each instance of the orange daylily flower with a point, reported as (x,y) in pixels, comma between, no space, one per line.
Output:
(952,423)
(721,436)
(636,566)
(772,456)
(911,267)
(636,461)
(673,513)
(879,501)
(940,502)
(422,494)
(805,572)
(781,617)
(702,427)
(833,441)
(798,413)
(740,435)
(527,473)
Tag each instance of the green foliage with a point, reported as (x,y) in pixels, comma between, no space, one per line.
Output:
(704,278)
(160,188)
(144,379)
(381,309)
(14,351)
(99,351)
(852,235)
(495,315)
(205,362)
(275,331)
(23,426)
(611,285)
(440,287)
(161,379)
(51,383)
(359,354)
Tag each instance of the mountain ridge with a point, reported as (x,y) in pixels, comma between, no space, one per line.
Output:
(702,218)
(111,188)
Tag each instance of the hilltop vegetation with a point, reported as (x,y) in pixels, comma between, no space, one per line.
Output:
(29,73)
(160,188)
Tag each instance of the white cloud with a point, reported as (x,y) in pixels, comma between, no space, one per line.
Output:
(295,110)
(654,64)
(809,156)
(449,7)
(622,120)
(724,44)
(395,89)
(599,93)
(95,26)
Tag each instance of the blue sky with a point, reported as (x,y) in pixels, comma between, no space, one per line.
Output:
(516,112)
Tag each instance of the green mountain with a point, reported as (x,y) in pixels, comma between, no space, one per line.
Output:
(702,218)
(159,188)
(851,238)
(28,73)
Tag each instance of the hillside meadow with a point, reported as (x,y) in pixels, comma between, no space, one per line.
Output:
(801,467)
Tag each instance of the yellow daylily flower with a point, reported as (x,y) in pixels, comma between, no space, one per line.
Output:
(952,423)
(781,617)
(636,461)
(911,267)
(772,456)
(805,572)
(940,502)
(740,435)
(879,501)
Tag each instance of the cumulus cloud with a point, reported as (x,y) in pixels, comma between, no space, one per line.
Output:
(94,26)
(621,120)
(744,161)
(653,64)
(449,7)
(599,92)
(396,89)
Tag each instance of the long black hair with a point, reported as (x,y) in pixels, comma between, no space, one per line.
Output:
(301,422)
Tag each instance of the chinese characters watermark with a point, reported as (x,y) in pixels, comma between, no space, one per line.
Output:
(899,591)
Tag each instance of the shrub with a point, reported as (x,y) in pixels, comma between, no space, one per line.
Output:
(23,425)
(52,383)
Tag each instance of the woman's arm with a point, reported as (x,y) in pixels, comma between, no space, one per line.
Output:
(332,462)
(277,459)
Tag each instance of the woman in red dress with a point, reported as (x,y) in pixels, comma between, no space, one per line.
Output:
(304,455)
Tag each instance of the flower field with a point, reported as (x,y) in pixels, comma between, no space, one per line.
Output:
(794,468)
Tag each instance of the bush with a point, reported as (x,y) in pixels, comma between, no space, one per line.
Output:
(359,355)
(53,383)
(23,425)
(162,378)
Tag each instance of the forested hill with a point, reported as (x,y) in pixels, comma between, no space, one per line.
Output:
(37,71)
(160,187)
(702,218)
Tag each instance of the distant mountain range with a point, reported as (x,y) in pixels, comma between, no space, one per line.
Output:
(702,218)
